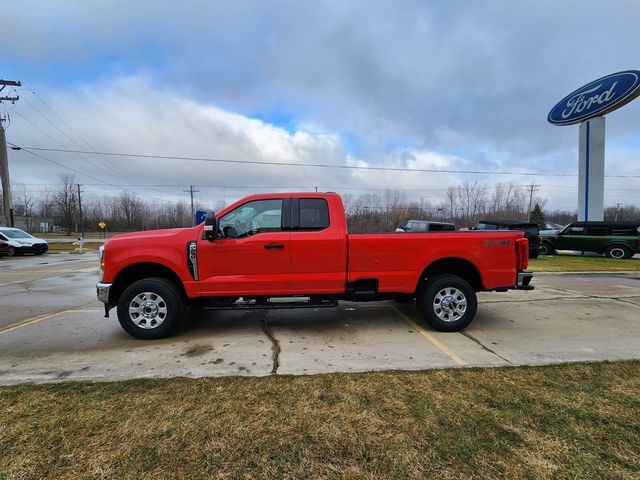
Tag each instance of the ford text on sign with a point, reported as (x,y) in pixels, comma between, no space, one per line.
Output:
(597,98)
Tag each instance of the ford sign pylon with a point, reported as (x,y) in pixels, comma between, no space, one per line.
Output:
(586,106)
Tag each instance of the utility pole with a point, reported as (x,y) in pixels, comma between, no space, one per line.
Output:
(191,191)
(532,189)
(81,221)
(4,159)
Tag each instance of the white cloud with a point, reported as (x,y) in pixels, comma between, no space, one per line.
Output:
(130,115)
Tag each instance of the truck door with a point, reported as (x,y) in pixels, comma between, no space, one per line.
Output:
(318,248)
(251,253)
(570,239)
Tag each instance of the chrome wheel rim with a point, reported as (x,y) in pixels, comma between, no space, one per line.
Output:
(543,250)
(147,310)
(450,304)
(617,253)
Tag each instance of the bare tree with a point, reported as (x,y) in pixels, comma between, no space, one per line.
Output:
(25,203)
(65,201)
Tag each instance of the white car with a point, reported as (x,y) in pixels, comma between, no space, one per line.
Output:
(21,242)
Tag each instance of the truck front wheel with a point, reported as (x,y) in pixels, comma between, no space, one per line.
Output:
(546,248)
(447,302)
(150,308)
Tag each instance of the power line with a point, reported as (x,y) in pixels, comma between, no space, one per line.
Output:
(96,162)
(15,147)
(59,117)
(317,165)
(309,187)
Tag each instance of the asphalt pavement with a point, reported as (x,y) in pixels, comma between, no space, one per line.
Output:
(52,329)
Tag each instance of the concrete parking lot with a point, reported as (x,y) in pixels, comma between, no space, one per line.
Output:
(52,329)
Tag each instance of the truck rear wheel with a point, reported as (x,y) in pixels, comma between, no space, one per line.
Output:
(150,308)
(447,302)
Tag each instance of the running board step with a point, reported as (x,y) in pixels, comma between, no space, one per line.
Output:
(271,303)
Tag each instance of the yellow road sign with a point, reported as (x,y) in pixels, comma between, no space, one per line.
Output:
(102,225)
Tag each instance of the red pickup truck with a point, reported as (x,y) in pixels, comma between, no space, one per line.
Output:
(293,250)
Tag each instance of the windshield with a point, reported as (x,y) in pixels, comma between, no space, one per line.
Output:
(14,233)
(252,218)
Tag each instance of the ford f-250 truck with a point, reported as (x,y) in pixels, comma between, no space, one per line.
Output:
(294,250)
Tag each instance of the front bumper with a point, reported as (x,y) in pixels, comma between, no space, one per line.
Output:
(524,280)
(102,290)
(35,248)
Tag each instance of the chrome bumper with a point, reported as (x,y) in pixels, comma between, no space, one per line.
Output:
(102,290)
(524,280)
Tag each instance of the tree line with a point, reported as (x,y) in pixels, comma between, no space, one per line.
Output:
(464,205)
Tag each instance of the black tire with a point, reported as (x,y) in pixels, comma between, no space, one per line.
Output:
(153,321)
(546,249)
(13,251)
(618,252)
(453,289)
(534,254)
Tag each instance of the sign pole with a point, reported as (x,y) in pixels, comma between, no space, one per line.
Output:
(591,170)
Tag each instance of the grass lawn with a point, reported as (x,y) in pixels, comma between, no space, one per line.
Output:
(566,421)
(576,263)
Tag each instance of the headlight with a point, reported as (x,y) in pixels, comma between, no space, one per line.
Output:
(101,259)
(24,243)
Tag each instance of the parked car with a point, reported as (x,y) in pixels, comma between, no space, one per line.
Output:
(531,231)
(614,239)
(21,242)
(416,226)
(4,248)
(293,250)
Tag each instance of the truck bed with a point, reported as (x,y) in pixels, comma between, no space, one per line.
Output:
(398,259)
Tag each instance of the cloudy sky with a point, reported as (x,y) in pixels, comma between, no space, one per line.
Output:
(443,85)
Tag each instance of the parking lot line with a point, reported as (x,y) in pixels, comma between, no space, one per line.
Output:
(438,344)
(32,272)
(40,318)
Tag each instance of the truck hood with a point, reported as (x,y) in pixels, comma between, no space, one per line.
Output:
(155,234)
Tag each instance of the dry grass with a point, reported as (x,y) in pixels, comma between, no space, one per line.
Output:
(575,263)
(70,248)
(570,421)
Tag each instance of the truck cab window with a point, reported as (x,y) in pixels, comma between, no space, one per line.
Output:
(254,217)
(314,214)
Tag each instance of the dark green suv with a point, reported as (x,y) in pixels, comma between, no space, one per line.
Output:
(614,239)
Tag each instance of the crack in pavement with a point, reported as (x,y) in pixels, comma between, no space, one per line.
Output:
(474,339)
(626,301)
(275,345)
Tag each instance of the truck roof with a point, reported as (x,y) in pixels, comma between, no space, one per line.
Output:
(263,196)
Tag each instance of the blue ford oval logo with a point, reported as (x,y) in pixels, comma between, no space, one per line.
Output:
(596,98)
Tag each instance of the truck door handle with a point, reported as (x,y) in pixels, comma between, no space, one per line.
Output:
(269,246)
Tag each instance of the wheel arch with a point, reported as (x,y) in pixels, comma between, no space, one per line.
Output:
(138,271)
(453,266)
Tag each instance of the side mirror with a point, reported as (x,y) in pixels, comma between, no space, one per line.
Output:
(210,226)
